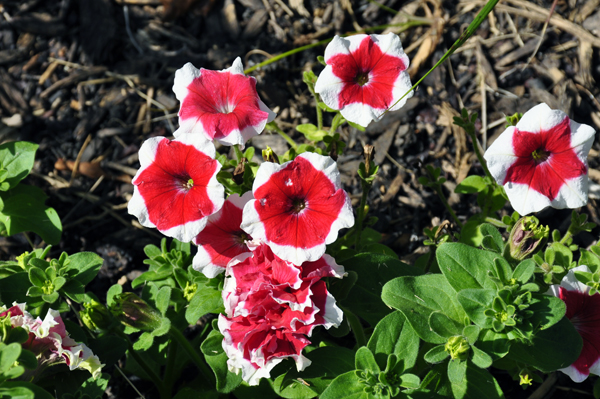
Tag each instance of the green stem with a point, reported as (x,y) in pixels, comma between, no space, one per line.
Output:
(287,138)
(438,190)
(404,26)
(164,394)
(169,369)
(356,327)
(361,211)
(480,156)
(568,235)
(319,112)
(337,121)
(495,222)
(193,354)
(238,153)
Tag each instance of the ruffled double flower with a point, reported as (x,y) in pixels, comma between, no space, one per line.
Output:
(50,341)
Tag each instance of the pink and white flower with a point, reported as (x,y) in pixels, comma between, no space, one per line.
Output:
(176,187)
(299,207)
(542,161)
(222,239)
(364,76)
(272,306)
(220,105)
(50,341)
(583,310)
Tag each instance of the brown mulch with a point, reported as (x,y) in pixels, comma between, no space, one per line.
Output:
(90,80)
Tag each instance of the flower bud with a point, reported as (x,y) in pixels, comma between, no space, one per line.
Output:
(526,236)
(269,155)
(133,311)
(457,347)
(95,316)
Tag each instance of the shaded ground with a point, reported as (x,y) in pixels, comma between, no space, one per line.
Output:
(90,80)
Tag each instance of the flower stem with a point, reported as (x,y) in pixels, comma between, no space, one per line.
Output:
(438,190)
(287,138)
(319,112)
(193,354)
(361,211)
(169,369)
(356,327)
(495,222)
(568,235)
(480,156)
(337,119)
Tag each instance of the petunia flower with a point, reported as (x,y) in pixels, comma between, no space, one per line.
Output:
(583,310)
(542,161)
(176,187)
(222,238)
(365,75)
(50,341)
(299,207)
(272,306)
(221,105)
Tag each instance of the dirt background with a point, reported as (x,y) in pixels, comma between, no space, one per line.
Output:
(90,80)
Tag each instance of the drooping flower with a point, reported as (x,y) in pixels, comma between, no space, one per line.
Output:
(222,239)
(50,341)
(583,310)
(220,105)
(299,207)
(365,74)
(542,161)
(271,307)
(176,187)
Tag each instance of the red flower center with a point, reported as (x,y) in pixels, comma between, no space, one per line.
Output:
(545,160)
(298,204)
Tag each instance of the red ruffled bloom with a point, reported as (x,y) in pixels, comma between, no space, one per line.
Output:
(271,307)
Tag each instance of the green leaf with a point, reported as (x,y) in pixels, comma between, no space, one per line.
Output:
(554,348)
(144,342)
(205,300)
(365,360)
(394,335)
(21,387)
(372,269)
(94,388)
(418,297)
(457,370)
(37,276)
(16,392)
(563,255)
(327,363)
(115,289)
(346,386)
(59,282)
(50,298)
(163,299)
(465,266)
(480,358)
(17,159)
(14,288)
(475,302)
(478,384)
(547,311)
(8,356)
(24,210)
(437,354)
(86,264)
(524,271)
(470,185)
(442,325)
(494,242)
(212,348)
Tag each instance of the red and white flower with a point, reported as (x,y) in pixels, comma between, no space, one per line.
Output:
(220,105)
(299,207)
(365,75)
(583,310)
(542,161)
(222,238)
(50,341)
(176,187)
(272,306)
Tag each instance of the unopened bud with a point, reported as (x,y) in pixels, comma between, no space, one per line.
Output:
(95,316)
(133,311)
(526,236)
(368,153)
(269,155)
(458,347)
